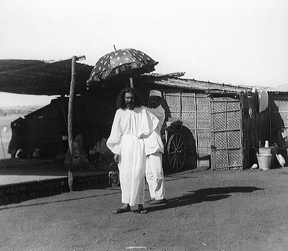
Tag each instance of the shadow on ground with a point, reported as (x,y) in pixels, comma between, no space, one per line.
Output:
(201,195)
(58,201)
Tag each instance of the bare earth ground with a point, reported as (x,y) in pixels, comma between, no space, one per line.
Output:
(206,210)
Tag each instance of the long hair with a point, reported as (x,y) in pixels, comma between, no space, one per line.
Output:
(120,102)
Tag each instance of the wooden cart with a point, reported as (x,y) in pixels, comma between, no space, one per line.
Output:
(175,147)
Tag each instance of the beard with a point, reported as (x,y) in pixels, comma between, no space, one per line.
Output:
(130,105)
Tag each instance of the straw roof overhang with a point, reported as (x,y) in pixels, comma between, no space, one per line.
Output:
(173,80)
(38,77)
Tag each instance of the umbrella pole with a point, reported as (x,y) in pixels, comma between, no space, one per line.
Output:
(131,82)
(70,120)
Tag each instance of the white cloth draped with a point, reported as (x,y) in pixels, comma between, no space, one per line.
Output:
(154,142)
(263,100)
(154,149)
(155,176)
(126,139)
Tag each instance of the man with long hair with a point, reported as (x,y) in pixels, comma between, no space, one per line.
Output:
(132,123)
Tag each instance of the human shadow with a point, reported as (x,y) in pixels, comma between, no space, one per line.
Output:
(202,195)
(4,207)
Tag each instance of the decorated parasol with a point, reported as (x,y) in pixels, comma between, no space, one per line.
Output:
(129,62)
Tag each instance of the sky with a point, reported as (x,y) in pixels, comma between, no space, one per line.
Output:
(239,42)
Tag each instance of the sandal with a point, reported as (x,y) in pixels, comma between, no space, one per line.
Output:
(141,211)
(157,202)
(122,210)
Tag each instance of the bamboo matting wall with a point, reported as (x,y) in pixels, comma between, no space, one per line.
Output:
(227,150)
(194,110)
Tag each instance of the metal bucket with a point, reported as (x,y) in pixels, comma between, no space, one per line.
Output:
(265,150)
(264,161)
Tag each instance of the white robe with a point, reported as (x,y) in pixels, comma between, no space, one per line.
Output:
(154,149)
(154,143)
(126,139)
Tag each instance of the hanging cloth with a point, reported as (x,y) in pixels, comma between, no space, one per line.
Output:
(263,100)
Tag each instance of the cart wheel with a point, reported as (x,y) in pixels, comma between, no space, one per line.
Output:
(176,152)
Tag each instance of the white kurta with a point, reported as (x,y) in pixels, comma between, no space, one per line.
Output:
(153,143)
(154,149)
(126,139)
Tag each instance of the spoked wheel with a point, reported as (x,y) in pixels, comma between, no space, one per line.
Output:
(176,152)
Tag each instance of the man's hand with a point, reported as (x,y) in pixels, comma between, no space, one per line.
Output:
(117,158)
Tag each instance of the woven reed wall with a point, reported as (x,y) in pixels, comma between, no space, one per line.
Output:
(227,151)
(194,110)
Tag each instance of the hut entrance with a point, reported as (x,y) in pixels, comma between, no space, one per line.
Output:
(226,147)
(194,110)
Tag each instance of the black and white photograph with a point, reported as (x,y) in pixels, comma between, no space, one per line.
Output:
(143,125)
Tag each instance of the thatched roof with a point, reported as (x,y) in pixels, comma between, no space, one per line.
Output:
(173,80)
(38,77)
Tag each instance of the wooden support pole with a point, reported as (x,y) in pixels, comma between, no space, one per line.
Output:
(70,118)
(70,122)
(2,143)
(131,82)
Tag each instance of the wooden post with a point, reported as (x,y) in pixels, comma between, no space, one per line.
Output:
(2,143)
(70,121)
(131,82)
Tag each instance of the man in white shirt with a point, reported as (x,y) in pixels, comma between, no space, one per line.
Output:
(154,150)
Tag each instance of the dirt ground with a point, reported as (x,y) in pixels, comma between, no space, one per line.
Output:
(206,210)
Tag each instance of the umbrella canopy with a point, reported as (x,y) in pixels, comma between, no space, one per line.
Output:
(130,62)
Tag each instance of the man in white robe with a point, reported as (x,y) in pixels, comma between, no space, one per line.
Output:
(154,149)
(132,123)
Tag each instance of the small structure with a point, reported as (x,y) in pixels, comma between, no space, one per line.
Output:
(222,126)
(222,123)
